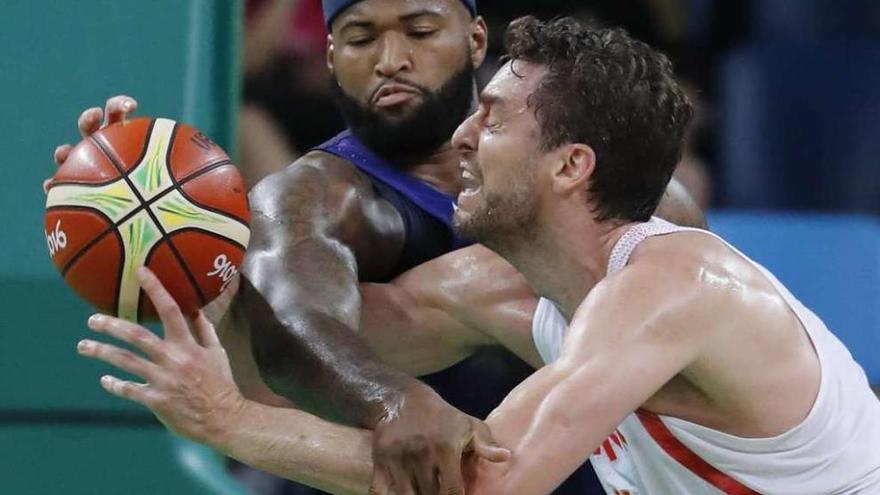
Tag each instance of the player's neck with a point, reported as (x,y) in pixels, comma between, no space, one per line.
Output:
(570,258)
(439,168)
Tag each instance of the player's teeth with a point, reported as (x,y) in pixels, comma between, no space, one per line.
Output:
(465,174)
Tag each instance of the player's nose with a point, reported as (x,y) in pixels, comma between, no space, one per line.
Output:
(395,55)
(465,137)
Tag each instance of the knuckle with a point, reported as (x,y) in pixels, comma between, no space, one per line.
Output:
(165,306)
(141,337)
(417,446)
(126,357)
(186,363)
(126,389)
(98,349)
(445,447)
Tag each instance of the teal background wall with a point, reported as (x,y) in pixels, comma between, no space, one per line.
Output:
(180,59)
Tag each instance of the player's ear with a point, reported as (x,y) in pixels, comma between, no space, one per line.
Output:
(329,51)
(479,41)
(573,169)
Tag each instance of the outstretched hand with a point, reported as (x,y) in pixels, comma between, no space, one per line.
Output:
(116,109)
(189,384)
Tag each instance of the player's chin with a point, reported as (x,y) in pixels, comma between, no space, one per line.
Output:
(468,200)
(468,206)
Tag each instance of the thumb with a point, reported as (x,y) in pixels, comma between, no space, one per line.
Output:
(484,445)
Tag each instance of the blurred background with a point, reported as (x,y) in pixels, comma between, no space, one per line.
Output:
(784,154)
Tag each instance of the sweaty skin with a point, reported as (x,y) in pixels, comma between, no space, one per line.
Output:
(316,230)
(687,329)
(427,319)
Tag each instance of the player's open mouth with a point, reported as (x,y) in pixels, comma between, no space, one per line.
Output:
(470,182)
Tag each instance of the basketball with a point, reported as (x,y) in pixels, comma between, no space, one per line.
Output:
(147,192)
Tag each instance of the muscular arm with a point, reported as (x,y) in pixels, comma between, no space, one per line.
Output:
(441,311)
(299,290)
(626,341)
(542,420)
(551,422)
(189,388)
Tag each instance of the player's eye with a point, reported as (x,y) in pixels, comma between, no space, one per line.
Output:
(422,33)
(359,37)
(360,40)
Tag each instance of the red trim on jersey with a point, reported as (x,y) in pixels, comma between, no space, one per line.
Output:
(688,458)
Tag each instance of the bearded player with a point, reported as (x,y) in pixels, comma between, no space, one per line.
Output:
(674,363)
(365,206)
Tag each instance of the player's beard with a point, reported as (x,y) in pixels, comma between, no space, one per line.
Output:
(503,221)
(418,134)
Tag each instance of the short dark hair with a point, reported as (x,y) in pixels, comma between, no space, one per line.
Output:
(616,94)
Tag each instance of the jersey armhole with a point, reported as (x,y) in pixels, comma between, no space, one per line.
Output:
(544,332)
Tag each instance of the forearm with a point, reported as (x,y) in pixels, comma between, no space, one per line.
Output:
(412,334)
(303,309)
(234,334)
(299,446)
(543,423)
(321,365)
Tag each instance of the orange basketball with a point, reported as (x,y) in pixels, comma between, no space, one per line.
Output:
(150,192)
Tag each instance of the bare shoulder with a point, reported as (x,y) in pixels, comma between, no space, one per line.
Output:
(316,175)
(671,283)
(326,198)
(700,276)
(687,265)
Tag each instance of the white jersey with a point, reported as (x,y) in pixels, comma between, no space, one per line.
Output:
(835,450)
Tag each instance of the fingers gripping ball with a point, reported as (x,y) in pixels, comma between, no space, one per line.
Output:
(148,192)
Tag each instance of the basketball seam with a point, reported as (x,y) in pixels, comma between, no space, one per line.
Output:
(111,154)
(202,171)
(189,275)
(79,255)
(140,308)
(140,158)
(119,270)
(92,242)
(209,234)
(83,184)
(210,208)
(166,192)
(176,186)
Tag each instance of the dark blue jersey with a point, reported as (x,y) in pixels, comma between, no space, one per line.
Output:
(426,212)
(477,384)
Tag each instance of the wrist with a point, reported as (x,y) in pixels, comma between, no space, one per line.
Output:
(414,396)
(226,426)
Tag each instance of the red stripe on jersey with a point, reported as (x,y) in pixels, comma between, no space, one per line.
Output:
(688,458)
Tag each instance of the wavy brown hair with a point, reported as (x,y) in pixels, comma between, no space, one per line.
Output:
(616,94)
